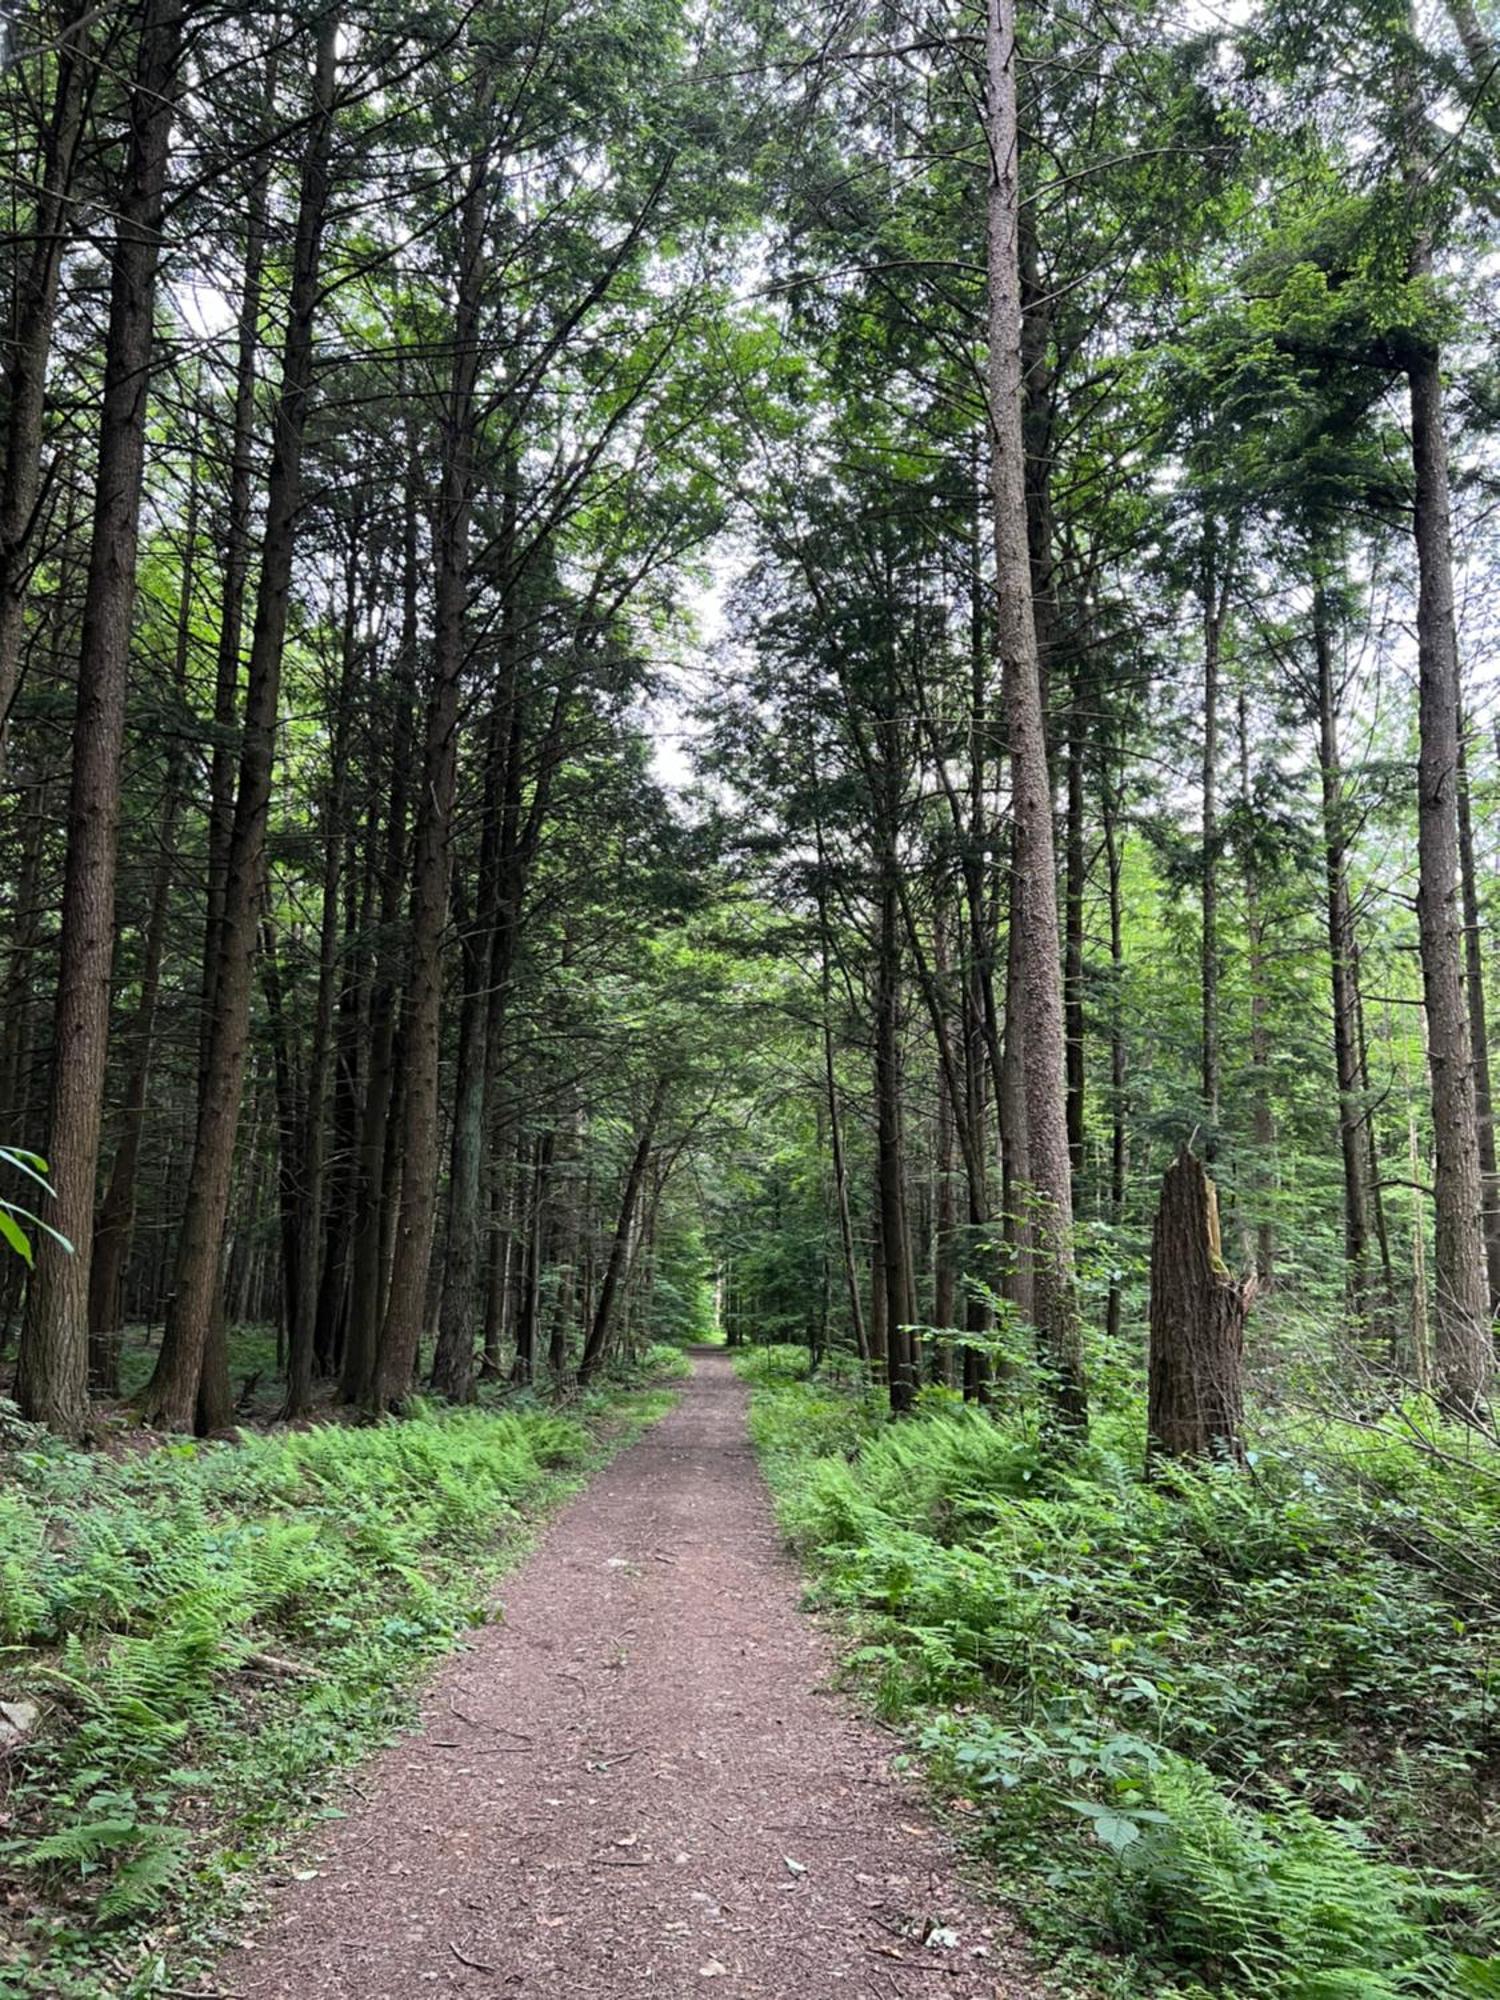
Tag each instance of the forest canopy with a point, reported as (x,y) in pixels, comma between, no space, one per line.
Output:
(822,676)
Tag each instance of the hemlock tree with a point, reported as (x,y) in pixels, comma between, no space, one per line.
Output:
(52,1371)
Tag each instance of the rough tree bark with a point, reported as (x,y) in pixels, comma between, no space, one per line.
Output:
(948,1090)
(401,1327)
(236,544)
(1198,1313)
(453,1359)
(366,1264)
(1034,905)
(52,1371)
(1075,876)
(114,1223)
(1015,1154)
(1463,1351)
(1479,1033)
(1464,1357)
(302,1317)
(190,1382)
(28,346)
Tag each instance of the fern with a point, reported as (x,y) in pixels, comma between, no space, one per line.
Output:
(145,1875)
(144,1861)
(152,1580)
(1297,1909)
(24,1604)
(1076,1630)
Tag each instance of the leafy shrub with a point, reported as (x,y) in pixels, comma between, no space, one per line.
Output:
(665,1363)
(1096,1660)
(774,1361)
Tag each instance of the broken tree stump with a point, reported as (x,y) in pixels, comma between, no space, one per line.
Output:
(1198,1314)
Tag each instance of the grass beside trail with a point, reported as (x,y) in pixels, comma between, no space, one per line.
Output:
(210,1630)
(1223,1733)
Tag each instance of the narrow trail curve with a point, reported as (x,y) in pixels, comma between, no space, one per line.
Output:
(611,1787)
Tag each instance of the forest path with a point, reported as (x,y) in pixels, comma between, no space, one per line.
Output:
(639,1783)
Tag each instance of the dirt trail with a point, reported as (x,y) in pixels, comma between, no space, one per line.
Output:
(639,1783)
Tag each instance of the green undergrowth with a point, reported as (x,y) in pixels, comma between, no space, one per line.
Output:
(207,1631)
(1222,1733)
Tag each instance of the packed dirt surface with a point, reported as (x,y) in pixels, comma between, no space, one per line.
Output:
(640,1783)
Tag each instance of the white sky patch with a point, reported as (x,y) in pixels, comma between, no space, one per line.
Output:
(670,716)
(205,308)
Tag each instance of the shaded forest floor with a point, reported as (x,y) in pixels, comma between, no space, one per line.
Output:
(1212,1733)
(1221,1731)
(194,1636)
(639,1781)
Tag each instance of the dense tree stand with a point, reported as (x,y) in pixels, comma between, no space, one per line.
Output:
(613,1785)
(678,673)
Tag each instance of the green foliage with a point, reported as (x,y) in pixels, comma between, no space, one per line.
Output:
(1290,1905)
(13,1214)
(141,1862)
(1234,1733)
(666,1363)
(157,1604)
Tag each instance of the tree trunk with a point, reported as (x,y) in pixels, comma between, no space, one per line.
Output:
(236,566)
(1372,1140)
(1198,1313)
(114,1225)
(453,1360)
(529,1315)
(1479,1034)
(190,1384)
(486,948)
(949,1094)
(841,1182)
(17,1002)
(333,1287)
(598,1341)
(880,1345)
(1262,1123)
(1214,592)
(52,1372)
(1461,1320)
(1015,1157)
(1076,885)
(302,1318)
(978,1260)
(401,1328)
(33,311)
(1118,1135)
(1040,1001)
(503,1179)
(1341,962)
(835,1118)
(288,1127)
(566,1229)
(901,1310)
(372,1195)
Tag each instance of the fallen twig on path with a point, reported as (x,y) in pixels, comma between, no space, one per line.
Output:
(477,1964)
